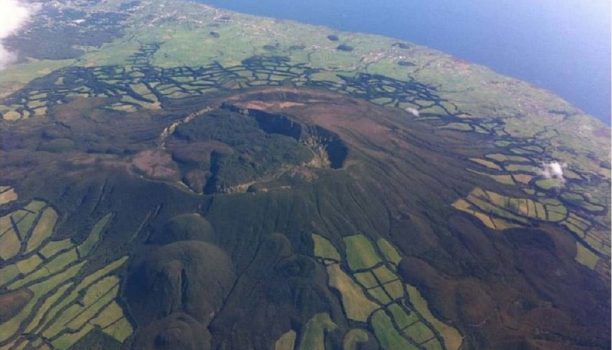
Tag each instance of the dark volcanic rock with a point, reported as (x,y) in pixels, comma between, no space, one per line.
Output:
(185,227)
(401,45)
(177,331)
(175,290)
(405,63)
(188,276)
(344,47)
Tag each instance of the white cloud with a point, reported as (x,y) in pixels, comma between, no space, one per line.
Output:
(415,112)
(553,170)
(13,15)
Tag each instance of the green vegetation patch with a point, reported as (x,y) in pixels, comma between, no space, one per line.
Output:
(556,212)
(419,332)
(353,338)
(28,265)
(111,314)
(458,127)
(99,289)
(452,337)
(522,168)
(43,230)
(578,221)
(433,344)
(316,328)
(507,158)
(286,341)
(24,220)
(35,206)
(94,236)
(366,279)
(599,241)
(67,339)
(380,294)
(8,273)
(323,248)
(87,281)
(75,321)
(384,275)
(54,247)
(44,308)
(360,252)
(388,337)
(25,72)
(84,284)
(26,217)
(54,265)
(9,328)
(489,208)
(5,224)
(578,199)
(395,289)
(515,209)
(548,184)
(585,256)
(7,195)
(389,251)
(402,317)
(502,179)
(119,330)
(9,244)
(356,305)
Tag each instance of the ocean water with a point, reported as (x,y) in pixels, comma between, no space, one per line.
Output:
(560,45)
